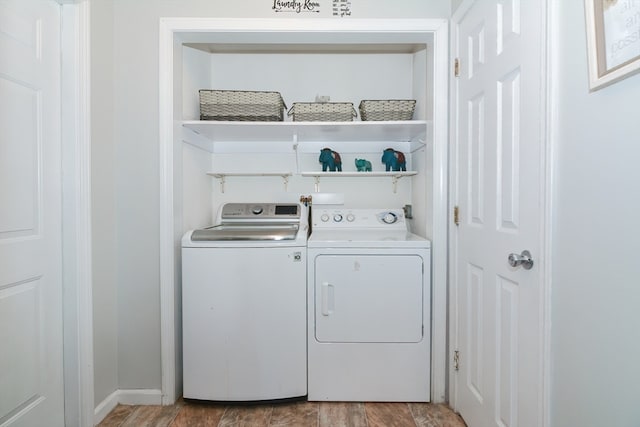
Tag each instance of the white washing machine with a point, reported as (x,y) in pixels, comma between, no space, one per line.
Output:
(244,305)
(369,307)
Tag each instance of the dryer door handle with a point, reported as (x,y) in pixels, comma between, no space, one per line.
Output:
(327,296)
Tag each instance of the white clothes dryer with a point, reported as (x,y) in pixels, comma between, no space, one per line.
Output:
(369,307)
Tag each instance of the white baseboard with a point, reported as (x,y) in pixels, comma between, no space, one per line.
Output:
(126,397)
(140,397)
(104,407)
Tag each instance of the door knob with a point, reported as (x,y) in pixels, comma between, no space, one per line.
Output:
(524,259)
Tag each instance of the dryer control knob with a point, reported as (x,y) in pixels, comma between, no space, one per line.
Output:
(389,218)
(337,218)
(351,217)
(324,218)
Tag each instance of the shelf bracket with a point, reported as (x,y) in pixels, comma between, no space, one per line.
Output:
(316,186)
(296,151)
(222,181)
(285,180)
(394,181)
(420,145)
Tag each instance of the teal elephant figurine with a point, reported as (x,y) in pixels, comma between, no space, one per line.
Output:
(363,165)
(330,160)
(394,160)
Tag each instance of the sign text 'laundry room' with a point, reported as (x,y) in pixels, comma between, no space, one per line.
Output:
(297,6)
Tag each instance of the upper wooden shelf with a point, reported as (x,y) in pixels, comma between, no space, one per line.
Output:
(399,131)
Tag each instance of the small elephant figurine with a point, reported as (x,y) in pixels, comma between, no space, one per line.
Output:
(330,160)
(394,160)
(363,165)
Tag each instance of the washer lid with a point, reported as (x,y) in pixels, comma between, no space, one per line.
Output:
(264,232)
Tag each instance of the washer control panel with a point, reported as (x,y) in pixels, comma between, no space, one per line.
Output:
(265,212)
(358,218)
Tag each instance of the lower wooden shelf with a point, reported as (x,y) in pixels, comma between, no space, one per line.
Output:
(394,175)
(317,175)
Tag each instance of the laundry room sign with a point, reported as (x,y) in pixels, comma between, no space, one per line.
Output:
(339,8)
(296,6)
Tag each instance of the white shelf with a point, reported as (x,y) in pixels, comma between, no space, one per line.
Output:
(395,176)
(222,174)
(398,131)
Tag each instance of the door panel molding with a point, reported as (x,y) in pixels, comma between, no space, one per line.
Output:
(475,308)
(508,99)
(507,350)
(476,118)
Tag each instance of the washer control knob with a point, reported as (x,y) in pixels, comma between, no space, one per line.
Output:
(324,218)
(351,217)
(257,210)
(337,218)
(389,218)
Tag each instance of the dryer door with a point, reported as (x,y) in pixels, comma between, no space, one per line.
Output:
(369,298)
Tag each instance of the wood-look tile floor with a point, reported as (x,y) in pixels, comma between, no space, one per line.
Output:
(298,414)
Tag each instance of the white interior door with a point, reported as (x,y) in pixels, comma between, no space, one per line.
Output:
(499,133)
(31,375)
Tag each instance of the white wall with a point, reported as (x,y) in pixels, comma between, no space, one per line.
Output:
(455,4)
(196,185)
(134,208)
(596,239)
(346,77)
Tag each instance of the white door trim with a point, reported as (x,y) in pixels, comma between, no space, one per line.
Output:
(168,249)
(76,214)
(170,217)
(440,188)
(546,199)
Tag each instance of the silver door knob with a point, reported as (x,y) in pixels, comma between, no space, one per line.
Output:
(524,259)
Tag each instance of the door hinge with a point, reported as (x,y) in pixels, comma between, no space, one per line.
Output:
(456,67)
(456,215)
(456,360)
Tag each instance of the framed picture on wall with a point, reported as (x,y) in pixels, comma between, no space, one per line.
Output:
(613,40)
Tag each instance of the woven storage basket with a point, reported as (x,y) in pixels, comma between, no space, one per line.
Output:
(241,105)
(322,112)
(387,109)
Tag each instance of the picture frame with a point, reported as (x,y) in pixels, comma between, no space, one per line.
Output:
(613,40)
